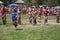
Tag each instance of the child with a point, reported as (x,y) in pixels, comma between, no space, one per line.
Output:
(14,17)
(40,13)
(30,15)
(45,13)
(19,15)
(34,14)
(3,11)
(57,15)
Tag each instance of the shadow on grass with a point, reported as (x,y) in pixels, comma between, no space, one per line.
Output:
(19,29)
(7,24)
(0,24)
(25,24)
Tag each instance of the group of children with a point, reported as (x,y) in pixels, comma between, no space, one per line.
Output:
(33,12)
(38,11)
(45,11)
(15,15)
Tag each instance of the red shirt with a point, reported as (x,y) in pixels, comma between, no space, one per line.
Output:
(45,12)
(3,12)
(34,13)
(0,10)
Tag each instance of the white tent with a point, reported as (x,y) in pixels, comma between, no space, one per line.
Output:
(19,2)
(1,2)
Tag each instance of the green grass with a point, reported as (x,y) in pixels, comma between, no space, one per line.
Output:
(28,31)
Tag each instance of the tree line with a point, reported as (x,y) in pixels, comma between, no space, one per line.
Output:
(34,2)
(41,2)
(6,2)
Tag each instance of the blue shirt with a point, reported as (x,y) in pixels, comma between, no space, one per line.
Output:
(13,15)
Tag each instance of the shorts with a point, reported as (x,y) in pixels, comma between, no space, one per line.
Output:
(45,17)
(14,19)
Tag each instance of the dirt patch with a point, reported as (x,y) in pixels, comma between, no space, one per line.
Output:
(53,22)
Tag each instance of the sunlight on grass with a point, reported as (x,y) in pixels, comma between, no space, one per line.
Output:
(29,32)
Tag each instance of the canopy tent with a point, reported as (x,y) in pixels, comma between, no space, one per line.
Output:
(1,2)
(13,5)
(19,2)
(57,7)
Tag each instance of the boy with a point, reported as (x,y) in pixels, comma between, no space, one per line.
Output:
(19,15)
(14,17)
(34,14)
(45,13)
(40,13)
(30,15)
(57,15)
(3,11)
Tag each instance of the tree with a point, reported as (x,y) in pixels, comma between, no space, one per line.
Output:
(6,2)
(39,2)
(33,2)
(28,2)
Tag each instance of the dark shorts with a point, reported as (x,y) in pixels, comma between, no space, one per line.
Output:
(4,19)
(40,14)
(14,19)
(34,20)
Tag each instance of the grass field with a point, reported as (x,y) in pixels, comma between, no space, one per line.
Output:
(27,31)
